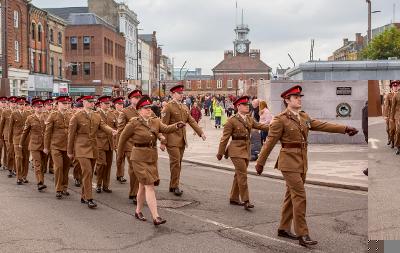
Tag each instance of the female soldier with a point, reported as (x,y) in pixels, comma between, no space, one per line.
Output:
(144,131)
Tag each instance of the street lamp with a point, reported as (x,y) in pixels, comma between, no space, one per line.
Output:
(180,71)
(369,20)
(159,68)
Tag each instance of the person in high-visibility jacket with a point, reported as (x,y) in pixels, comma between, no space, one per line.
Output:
(218,110)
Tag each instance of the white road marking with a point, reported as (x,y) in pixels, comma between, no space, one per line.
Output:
(218,224)
(373,142)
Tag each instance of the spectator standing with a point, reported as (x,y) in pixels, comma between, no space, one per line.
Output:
(265,118)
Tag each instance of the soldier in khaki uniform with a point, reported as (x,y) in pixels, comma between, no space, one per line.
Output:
(82,144)
(390,126)
(55,143)
(34,126)
(4,132)
(239,128)
(77,172)
(3,148)
(174,112)
(49,108)
(291,128)
(395,117)
(105,145)
(118,103)
(16,125)
(143,131)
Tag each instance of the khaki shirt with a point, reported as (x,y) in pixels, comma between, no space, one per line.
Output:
(16,125)
(34,125)
(286,128)
(105,141)
(5,124)
(56,130)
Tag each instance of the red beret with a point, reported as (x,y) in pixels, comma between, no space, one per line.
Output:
(145,101)
(12,99)
(118,100)
(86,98)
(295,90)
(241,100)
(63,99)
(104,99)
(3,99)
(48,101)
(20,99)
(97,104)
(135,93)
(393,82)
(37,102)
(177,88)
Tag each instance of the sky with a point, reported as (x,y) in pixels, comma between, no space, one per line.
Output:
(199,31)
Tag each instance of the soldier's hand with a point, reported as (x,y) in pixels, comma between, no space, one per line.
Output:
(114,132)
(71,156)
(219,157)
(259,169)
(203,136)
(162,147)
(351,131)
(180,124)
(46,151)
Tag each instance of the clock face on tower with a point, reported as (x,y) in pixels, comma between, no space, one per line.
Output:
(241,48)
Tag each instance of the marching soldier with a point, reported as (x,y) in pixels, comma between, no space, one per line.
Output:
(118,103)
(16,125)
(77,172)
(291,128)
(55,143)
(142,131)
(395,115)
(390,126)
(82,144)
(105,145)
(239,128)
(34,126)
(174,112)
(3,148)
(49,108)
(4,132)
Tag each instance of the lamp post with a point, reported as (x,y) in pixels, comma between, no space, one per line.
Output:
(159,68)
(369,32)
(180,71)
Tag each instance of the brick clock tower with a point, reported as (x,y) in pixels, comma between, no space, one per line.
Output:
(242,43)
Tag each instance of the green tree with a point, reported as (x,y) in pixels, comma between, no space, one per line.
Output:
(383,46)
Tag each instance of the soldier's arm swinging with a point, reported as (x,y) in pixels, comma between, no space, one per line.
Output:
(48,131)
(73,125)
(274,135)
(226,135)
(123,138)
(322,126)
(25,132)
(10,127)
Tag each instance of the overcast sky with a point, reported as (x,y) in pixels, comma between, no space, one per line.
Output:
(200,31)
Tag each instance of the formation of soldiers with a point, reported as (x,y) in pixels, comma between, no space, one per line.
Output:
(391,114)
(87,139)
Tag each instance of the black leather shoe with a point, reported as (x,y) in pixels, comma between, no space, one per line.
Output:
(158,221)
(25,181)
(83,201)
(91,203)
(77,183)
(140,216)
(389,142)
(178,192)
(10,174)
(247,205)
(134,200)
(287,234)
(392,145)
(236,203)
(65,193)
(41,187)
(51,172)
(171,189)
(19,182)
(59,195)
(121,180)
(98,189)
(398,151)
(306,241)
(107,190)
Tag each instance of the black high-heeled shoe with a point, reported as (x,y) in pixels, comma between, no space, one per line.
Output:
(158,221)
(140,216)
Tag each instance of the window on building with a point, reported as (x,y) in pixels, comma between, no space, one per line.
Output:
(229,84)
(39,30)
(74,43)
(39,69)
(188,84)
(52,66)
(33,31)
(208,84)
(60,68)
(51,35)
(16,47)
(86,68)
(262,81)
(59,38)
(140,54)
(86,42)
(140,68)
(199,84)
(74,70)
(219,84)
(33,61)
(16,19)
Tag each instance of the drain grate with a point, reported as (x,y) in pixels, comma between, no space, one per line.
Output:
(169,203)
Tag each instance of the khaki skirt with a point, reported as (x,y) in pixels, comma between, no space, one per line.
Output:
(146,172)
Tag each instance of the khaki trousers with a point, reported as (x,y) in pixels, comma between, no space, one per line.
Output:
(239,185)
(294,205)
(133,181)
(121,167)
(77,173)
(61,169)
(10,162)
(391,129)
(48,162)
(103,167)
(3,156)
(175,164)
(87,166)
(21,161)
(38,163)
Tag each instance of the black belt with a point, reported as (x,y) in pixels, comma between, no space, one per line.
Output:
(144,145)
(294,145)
(239,138)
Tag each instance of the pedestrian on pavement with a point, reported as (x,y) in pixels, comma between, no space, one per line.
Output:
(265,118)
(218,111)
(143,131)
(82,144)
(34,128)
(291,128)
(238,128)
(365,127)
(195,112)
(388,103)
(174,112)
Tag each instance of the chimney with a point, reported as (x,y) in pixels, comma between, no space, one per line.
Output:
(345,41)
(228,54)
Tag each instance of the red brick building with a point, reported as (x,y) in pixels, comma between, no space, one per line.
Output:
(94,55)
(15,31)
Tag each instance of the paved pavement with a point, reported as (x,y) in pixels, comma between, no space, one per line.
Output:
(338,166)
(200,221)
(384,178)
